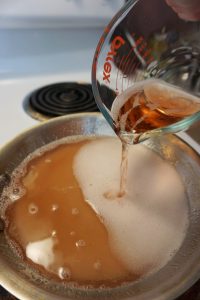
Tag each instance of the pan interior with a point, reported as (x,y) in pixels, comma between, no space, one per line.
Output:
(170,281)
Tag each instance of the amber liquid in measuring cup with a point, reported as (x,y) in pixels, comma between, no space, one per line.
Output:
(151,104)
(147,106)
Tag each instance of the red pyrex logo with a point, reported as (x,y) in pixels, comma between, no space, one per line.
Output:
(117,42)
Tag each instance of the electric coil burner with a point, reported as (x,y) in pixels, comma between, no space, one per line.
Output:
(60,99)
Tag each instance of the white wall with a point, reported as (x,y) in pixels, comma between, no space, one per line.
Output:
(57,13)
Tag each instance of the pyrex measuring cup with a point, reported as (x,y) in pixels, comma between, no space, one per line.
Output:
(146,40)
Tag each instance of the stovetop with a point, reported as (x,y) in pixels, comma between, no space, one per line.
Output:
(33,65)
(13,97)
(16,119)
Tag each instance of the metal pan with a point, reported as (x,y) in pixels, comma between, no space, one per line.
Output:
(172,280)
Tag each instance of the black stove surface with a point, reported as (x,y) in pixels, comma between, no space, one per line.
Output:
(60,99)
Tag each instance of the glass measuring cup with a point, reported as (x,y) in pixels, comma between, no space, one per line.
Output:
(144,42)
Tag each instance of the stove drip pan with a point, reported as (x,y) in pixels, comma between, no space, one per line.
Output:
(60,99)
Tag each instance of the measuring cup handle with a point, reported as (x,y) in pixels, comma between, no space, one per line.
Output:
(186,9)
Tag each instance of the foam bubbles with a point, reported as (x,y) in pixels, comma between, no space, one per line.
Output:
(97,265)
(53,233)
(32,209)
(72,233)
(75,211)
(48,160)
(54,207)
(64,273)
(80,243)
(29,181)
(41,252)
(149,223)
(15,193)
(14,197)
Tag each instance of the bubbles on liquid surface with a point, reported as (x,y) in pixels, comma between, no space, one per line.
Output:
(159,217)
(15,195)
(72,233)
(32,209)
(54,207)
(80,243)
(53,233)
(75,211)
(113,195)
(64,273)
(97,265)
(41,252)
(16,191)
(48,160)
(3,203)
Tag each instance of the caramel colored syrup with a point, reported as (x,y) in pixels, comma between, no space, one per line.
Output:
(157,108)
(53,207)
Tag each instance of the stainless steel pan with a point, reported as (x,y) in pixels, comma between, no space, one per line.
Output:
(177,276)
